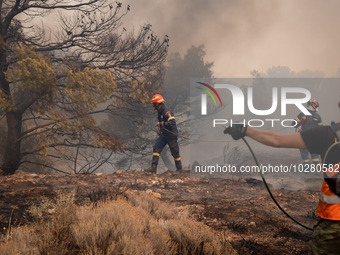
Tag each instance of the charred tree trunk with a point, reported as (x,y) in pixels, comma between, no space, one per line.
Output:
(12,156)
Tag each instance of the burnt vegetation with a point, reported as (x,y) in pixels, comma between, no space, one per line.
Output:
(55,78)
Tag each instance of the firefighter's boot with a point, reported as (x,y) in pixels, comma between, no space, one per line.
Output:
(152,169)
(178,164)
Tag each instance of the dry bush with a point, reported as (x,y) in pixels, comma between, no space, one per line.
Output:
(138,224)
(117,227)
(156,208)
(196,238)
(20,242)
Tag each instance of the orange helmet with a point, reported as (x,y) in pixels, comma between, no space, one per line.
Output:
(157,99)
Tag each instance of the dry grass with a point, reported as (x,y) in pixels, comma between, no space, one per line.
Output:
(138,224)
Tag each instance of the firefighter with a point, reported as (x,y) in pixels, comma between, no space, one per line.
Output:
(306,122)
(167,134)
(320,140)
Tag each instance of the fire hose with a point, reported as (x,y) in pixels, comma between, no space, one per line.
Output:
(261,173)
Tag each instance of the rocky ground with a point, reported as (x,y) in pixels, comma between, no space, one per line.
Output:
(239,206)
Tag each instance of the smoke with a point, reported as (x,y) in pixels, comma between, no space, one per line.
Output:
(242,35)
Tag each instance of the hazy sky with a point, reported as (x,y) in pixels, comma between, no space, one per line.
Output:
(242,35)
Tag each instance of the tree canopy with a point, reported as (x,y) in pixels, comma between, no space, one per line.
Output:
(54,81)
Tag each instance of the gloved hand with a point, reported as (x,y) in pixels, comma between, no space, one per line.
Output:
(237,131)
(160,124)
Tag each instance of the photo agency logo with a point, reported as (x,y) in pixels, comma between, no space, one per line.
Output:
(244,100)
(204,97)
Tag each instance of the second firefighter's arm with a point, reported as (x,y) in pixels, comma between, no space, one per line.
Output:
(299,120)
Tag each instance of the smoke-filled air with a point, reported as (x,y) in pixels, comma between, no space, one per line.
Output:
(240,36)
(178,127)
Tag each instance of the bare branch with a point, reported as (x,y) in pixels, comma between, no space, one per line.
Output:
(44,165)
(95,63)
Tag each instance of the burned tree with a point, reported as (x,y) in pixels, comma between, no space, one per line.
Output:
(54,81)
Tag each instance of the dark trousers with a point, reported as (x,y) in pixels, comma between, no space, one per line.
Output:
(163,140)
